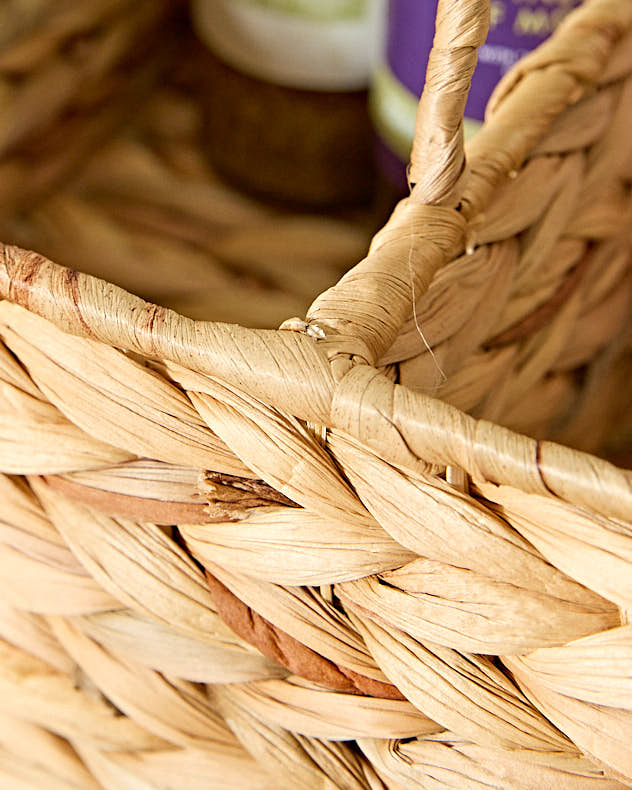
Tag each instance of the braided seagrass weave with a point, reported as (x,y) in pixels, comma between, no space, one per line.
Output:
(358,552)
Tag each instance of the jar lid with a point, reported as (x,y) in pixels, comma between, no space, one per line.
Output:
(310,44)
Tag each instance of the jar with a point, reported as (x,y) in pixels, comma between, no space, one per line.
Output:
(516,28)
(285,84)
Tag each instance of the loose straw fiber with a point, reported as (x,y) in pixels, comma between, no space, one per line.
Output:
(371,550)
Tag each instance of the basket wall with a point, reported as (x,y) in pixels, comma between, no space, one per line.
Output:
(347,553)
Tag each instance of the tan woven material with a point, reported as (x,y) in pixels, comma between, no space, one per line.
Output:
(369,550)
(144,204)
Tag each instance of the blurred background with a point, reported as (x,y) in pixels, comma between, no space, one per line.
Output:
(110,162)
(229,159)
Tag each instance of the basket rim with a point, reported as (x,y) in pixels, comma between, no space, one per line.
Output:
(294,375)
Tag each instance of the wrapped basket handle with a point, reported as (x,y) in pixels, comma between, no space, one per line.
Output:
(364,312)
(438,160)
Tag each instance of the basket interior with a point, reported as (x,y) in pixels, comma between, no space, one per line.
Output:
(145,210)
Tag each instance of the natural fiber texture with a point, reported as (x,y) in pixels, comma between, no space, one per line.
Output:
(370,550)
(145,205)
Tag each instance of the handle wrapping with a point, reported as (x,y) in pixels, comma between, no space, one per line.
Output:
(437,165)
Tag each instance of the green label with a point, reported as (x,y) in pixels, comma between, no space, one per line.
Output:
(394,112)
(316,9)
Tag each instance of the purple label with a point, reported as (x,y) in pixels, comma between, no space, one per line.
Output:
(517,27)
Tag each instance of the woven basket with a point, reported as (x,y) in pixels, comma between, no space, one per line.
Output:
(347,553)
